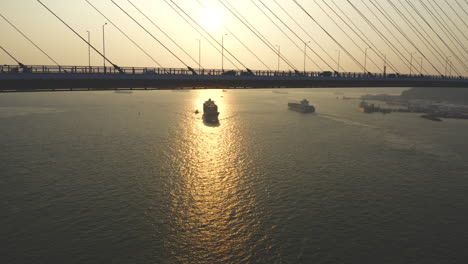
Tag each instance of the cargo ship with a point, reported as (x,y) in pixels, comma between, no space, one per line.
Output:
(210,111)
(302,107)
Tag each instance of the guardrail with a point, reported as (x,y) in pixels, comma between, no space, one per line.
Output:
(44,69)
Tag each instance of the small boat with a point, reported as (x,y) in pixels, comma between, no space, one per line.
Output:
(431,117)
(123,91)
(279,92)
(196,111)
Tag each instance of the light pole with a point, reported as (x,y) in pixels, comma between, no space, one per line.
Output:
(450,66)
(104,45)
(385,65)
(199,54)
(305,54)
(446,63)
(279,55)
(339,51)
(421,65)
(411,63)
(222,51)
(89,49)
(365,60)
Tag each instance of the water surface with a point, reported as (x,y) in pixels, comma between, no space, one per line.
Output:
(103,177)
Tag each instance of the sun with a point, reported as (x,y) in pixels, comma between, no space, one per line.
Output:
(212,18)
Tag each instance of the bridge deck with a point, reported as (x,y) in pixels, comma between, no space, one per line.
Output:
(13,78)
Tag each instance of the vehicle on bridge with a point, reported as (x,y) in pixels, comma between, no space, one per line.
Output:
(230,73)
(326,74)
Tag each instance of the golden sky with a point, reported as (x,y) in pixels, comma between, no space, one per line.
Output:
(67,49)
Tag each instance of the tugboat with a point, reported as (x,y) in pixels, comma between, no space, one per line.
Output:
(210,111)
(365,107)
(302,107)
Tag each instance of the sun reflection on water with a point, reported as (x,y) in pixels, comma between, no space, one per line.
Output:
(213,208)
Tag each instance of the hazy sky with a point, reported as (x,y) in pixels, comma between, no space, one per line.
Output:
(67,49)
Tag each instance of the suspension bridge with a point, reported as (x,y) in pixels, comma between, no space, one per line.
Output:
(422,27)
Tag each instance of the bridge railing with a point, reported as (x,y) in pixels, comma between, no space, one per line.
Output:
(48,69)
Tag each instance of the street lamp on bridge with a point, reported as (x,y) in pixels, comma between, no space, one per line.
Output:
(279,55)
(89,50)
(104,46)
(199,54)
(339,51)
(446,64)
(222,51)
(365,60)
(421,64)
(305,53)
(411,63)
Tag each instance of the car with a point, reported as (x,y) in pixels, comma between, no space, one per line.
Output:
(325,74)
(231,73)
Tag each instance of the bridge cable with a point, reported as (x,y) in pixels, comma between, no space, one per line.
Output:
(162,44)
(391,33)
(32,42)
(394,49)
(456,13)
(165,34)
(430,44)
(443,55)
(346,34)
(241,42)
(462,8)
(11,56)
(436,33)
(452,33)
(257,33)
(411,26)
(447,30)
(430,26)
(199,32)
(211,36)
(307,33)
(382,36)
(287,36)
(446,15)
(361,36)
(245,46)
(128,37)
(114,65)
(297,36)
(444,27)
(333,38)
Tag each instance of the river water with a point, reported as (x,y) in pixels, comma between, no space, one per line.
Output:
(104,177)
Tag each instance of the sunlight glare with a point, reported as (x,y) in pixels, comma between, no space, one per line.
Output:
(212,18)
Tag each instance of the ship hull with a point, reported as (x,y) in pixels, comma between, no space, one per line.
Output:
(211,117)
(301,108)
